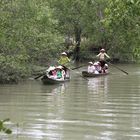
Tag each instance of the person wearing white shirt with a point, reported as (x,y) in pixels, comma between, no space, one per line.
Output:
(96,68)
(91,68)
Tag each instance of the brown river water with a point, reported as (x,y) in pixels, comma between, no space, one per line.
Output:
(103,108)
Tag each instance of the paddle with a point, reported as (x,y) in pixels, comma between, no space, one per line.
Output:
(39,76)
(77,73)
(117,67)
(79,67)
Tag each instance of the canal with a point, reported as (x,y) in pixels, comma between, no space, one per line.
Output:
(103,108)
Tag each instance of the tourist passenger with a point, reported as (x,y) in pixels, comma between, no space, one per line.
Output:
(98,67)
(51,72)
(96,71)
(106,68)
(60,73)
(90,67)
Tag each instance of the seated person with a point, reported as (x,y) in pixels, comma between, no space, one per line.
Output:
(60,72)
(98,66)
(90,67)
(51,72)
(96,69)
(106,68)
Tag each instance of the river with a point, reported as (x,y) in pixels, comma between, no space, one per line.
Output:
(103,108)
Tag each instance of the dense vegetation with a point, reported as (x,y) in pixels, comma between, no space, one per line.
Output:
(3,128)
(32,32)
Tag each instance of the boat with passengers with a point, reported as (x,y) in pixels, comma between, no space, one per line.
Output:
(56,75)
(95,70)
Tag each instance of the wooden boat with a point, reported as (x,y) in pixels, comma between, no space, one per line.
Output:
(46,80)
(86,74)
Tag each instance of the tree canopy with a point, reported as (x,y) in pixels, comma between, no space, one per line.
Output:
(32,32)
(123,23)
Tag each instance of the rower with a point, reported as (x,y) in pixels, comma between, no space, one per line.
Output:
(64,61)
(102,55)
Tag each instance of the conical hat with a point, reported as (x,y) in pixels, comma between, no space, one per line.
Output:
(63,53)
(59,67)
(50,68)
(90,63)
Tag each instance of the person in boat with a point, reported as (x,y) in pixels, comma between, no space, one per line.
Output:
(51,72)
(90,67)
(60,73)
(106,68)
(64,61)
(96,69)
(102,56)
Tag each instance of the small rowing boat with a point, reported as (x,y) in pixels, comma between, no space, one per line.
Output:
(86,74)
(46,80)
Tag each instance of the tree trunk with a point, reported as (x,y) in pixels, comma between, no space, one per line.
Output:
(102,29)
(78,41)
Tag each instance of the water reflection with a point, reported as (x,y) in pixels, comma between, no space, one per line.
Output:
(59,89)
(54,111)
(103,108)
(97,85)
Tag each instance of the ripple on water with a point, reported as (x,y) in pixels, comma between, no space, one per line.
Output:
(105,108)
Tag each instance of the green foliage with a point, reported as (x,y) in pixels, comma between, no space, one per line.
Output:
(80,19)
(32,32)
(27,35)
(3,128)
(12,68)
(82,14)
(122,22)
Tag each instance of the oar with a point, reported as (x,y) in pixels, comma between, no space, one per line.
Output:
(79,74)
(79,67)
(117,67)
(39,76)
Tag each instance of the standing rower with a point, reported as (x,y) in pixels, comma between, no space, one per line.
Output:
(102,56)
(64,61)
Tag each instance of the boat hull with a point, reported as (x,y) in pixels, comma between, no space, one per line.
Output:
(86,74)
(46,80)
